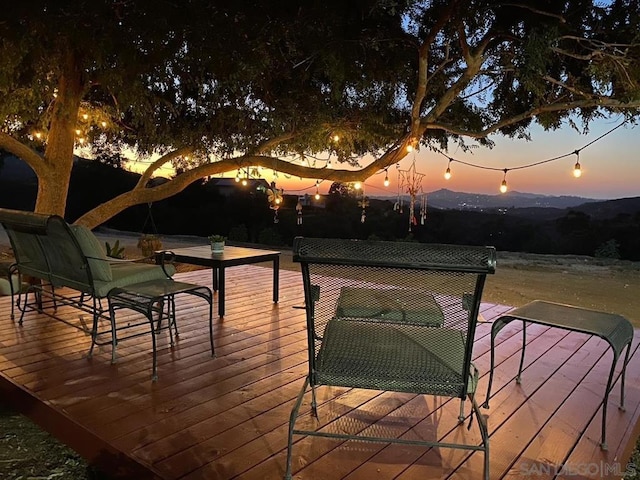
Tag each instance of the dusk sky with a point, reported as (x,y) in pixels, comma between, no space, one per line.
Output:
(610,167)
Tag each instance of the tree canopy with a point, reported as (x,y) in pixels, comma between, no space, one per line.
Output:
(217,86)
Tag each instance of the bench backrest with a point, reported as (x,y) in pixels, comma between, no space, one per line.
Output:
(48,248)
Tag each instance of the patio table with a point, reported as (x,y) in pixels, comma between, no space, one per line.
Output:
(219,262)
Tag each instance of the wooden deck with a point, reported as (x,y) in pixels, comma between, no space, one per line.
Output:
(226,417)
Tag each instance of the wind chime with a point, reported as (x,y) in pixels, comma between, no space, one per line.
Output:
(274,196)
(299,212)
(423,209)
(363,203)
(397,207)
(410,181)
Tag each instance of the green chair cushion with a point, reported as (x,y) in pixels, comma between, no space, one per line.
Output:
(390,304)
(92,249)
(385,356)
(128,273)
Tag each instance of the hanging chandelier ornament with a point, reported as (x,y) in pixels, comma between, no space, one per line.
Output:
(274,196)
(410,181)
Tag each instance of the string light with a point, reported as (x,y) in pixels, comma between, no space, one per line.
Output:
(38,135)
(336,138)
(503,185)
(357,185)
(238,176)
(386,177)
(409,148)
(85,116)
(577,171)
(447,173)
(104,124)
(317,196)
(78,132)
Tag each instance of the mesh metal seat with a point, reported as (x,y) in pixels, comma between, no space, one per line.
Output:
(392,316)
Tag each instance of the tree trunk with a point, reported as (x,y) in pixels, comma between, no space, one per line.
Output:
(54,178)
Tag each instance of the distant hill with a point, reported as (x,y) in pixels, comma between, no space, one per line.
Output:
(13,169)
(598,209)
(448,199)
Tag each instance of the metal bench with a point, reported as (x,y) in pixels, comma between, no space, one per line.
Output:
(67,266)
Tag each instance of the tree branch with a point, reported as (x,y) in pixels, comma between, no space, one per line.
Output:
(423,66)
(146,176)
(137,195)
(535,10)
(18,149)
(598,102)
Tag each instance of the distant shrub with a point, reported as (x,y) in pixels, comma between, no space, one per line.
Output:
(268,236)
(609,249)
(239,233)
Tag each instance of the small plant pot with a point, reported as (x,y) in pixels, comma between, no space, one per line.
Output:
(217,247)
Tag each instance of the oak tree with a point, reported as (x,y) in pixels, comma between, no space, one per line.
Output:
(213,87)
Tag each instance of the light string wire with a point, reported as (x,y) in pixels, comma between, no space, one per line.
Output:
(529,165)
(484,167)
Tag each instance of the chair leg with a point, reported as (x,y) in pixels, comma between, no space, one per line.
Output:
(13,271)
(524,345)
(461,415)
(292,422)
(114,337)
(94,326)
(484,432)
(622,375)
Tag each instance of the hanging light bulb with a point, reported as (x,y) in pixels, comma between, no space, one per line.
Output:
(577,171)
(238,177)
(447,173)
(386,177)
(317,196)
(409,148)
(357,185)
(503,185)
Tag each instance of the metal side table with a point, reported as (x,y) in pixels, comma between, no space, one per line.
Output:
(151,297)
(615,329)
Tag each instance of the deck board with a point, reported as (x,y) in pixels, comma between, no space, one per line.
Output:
(227,416)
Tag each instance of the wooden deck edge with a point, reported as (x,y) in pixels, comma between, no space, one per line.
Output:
(98,453)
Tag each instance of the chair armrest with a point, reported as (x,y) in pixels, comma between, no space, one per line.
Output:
(167,257)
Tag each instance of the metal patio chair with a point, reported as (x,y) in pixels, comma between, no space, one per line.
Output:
(392,316)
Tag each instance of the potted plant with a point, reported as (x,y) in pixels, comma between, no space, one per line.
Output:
(217,243)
